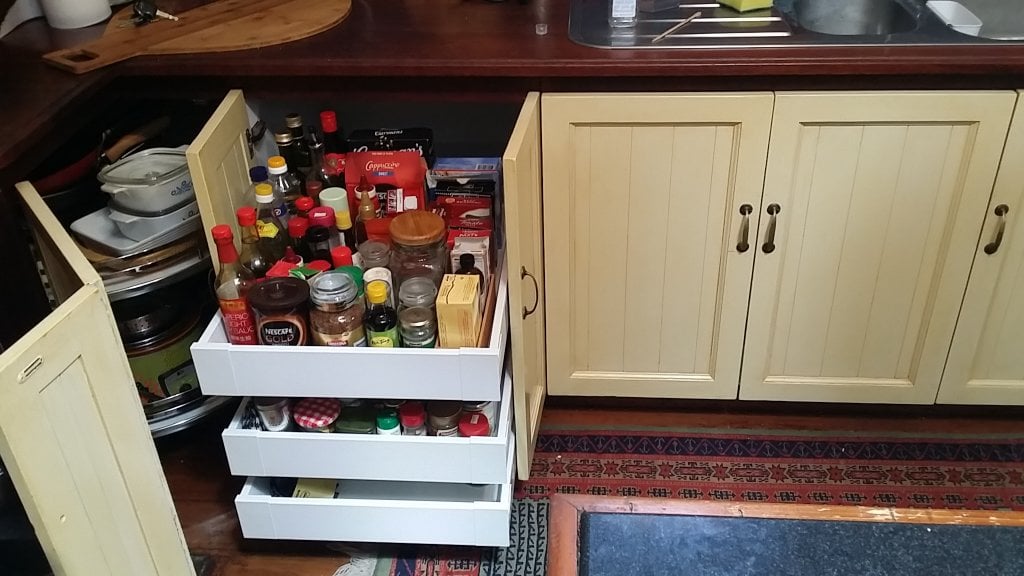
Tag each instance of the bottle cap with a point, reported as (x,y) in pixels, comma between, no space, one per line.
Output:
(342,220)
(387,419)
(258,174)
(377,292)
(334,197)
(417,228)
(222,234)
(304,204)
(474,424)
(293,120)
(322,216)
(277,165)
(264,193)
(291,257)
(313,187)
(246,216)
(283,137)
(297,227)
(329,121)
(412,414)
(341,256)
(364,185)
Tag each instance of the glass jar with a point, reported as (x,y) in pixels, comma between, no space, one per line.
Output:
(279,307)
(387,422)
(417,328)
(337,315)
(316,414)
(275,414)
(417,292)
(419,247)
(443,417)
(488,409)
(374,254)
(357,419)
(414,419)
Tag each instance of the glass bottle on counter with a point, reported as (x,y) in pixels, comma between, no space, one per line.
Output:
(286,185)
(232,286)
(337,315)
(298,131)
(413,418)
(334,141)
(254,254)
(417,328)
(381,320)
(324,216)
(272,231)
(297,228)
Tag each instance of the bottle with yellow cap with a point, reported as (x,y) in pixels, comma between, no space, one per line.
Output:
(381,320)
(286,185)
(272,231)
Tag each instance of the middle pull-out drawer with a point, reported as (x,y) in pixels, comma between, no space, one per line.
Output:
(478,460)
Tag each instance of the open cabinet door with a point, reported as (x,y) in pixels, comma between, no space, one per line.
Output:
(218,160)
(73,434)
(524,256)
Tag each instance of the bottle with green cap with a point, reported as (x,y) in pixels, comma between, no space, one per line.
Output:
(387,422)
(381,319)
(272,232)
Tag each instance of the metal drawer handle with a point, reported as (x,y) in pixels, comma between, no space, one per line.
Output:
(536,292)
(769,236)
(993,246)
(744,245)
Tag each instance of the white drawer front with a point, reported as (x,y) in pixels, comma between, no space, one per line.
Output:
(378,511)
(435,374)
(480,460)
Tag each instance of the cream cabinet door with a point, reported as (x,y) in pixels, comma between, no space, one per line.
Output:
(73,434)
(524,257)
(646,199)
(879,198)
(986,361)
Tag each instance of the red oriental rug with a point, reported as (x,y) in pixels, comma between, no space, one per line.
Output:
(982,471)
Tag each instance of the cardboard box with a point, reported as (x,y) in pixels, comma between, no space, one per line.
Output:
(477,245)
(458,311)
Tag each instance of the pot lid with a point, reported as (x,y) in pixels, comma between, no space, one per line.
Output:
(146,168)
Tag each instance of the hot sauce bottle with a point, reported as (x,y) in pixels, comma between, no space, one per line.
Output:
(233,284)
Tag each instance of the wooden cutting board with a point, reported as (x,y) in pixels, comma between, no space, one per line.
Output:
(219,26)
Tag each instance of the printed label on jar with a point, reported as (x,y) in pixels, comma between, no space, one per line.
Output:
(281,332)
(238,322)
(447,432)
(355,338)
(432,343)
(386,339)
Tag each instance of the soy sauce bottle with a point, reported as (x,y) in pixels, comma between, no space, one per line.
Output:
(381,320)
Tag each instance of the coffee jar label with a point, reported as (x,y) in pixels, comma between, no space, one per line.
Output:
(282,332)
(238,322)
(356,337)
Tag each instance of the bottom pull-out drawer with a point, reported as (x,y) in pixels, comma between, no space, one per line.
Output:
(384,511)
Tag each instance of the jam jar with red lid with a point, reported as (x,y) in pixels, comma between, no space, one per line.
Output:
(280,307)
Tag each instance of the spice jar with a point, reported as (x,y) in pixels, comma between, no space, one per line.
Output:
(357,418)
(419,248)
(374,254)
(316,414)
(417,328)
(418,291)
(337,315)
(387,422)
(474,424)
(488,409)
(413,418)
(443,417)
(279,307)
(275,414)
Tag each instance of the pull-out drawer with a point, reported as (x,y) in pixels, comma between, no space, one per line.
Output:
(430,374)
(481,460)
(380,511)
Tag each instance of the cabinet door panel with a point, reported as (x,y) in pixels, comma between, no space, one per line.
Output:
(73,433)
(524,254)
(986,361)
(881,197)
(646,290)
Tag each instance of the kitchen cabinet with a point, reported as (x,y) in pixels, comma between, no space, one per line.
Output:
(879,199)
(650,205)
(73,434)
(986,360)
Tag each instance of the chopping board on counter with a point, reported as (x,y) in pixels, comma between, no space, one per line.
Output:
(219,26)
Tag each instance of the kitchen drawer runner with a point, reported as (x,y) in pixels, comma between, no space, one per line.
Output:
(382,511)
(479,460)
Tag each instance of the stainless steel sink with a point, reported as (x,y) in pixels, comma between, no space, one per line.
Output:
(854,17)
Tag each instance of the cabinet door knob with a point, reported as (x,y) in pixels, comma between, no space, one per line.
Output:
(744,245)
(769,235)
(993,246)
(536,292)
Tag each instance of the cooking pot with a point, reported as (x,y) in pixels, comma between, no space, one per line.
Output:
(149,182)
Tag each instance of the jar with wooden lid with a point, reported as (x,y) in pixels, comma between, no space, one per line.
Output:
(443,417)
(419,247)
(336,318)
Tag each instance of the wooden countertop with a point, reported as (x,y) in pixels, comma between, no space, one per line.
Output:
(461,43)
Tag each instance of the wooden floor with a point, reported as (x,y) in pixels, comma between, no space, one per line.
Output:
(204,491)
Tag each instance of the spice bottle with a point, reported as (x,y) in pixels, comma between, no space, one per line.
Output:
(254,255)
(275,414)
(474,424)
(387,422)
(279,308)
(417,328)
(419,248)
(443,417)
(316,414)
(272,231)
(337,315)
(381,320)
(233,286)
(488,409)
(413,418)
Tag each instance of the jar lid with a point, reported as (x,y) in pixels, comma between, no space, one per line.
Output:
(373,250)
(293,120)
(418,291)
(417,228)
(474,405)
(332,287)
(444,408)
(387,419)
(416,317)
(283,137)
(146,168)
(279,294)
(474,424)
(412,414)
(316,412)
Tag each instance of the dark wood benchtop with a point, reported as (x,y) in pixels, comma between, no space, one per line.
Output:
(460,43)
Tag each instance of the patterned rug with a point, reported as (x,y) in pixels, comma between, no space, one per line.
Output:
(907,471)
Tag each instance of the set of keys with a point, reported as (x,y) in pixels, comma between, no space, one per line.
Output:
(145,11)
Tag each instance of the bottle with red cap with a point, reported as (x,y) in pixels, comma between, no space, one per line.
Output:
(324,216)
(232,287)
(335,146)
(413,417)
(253,254)
(297,229)
(303,205)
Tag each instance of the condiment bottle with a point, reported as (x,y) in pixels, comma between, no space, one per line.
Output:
(341,256)
(254,255)
(334,142)
(414,419)
(337,315)
(417,328)
(474,424)
(294,123)
(297,228)
(318,239)
(279,309)
(272,231)
(286,186)
(387,422)
(443,417)
(233,285)
(319,176)
(275,414)
(337,198)
(302,206)
(365,194)
(381,320)
(324,216)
